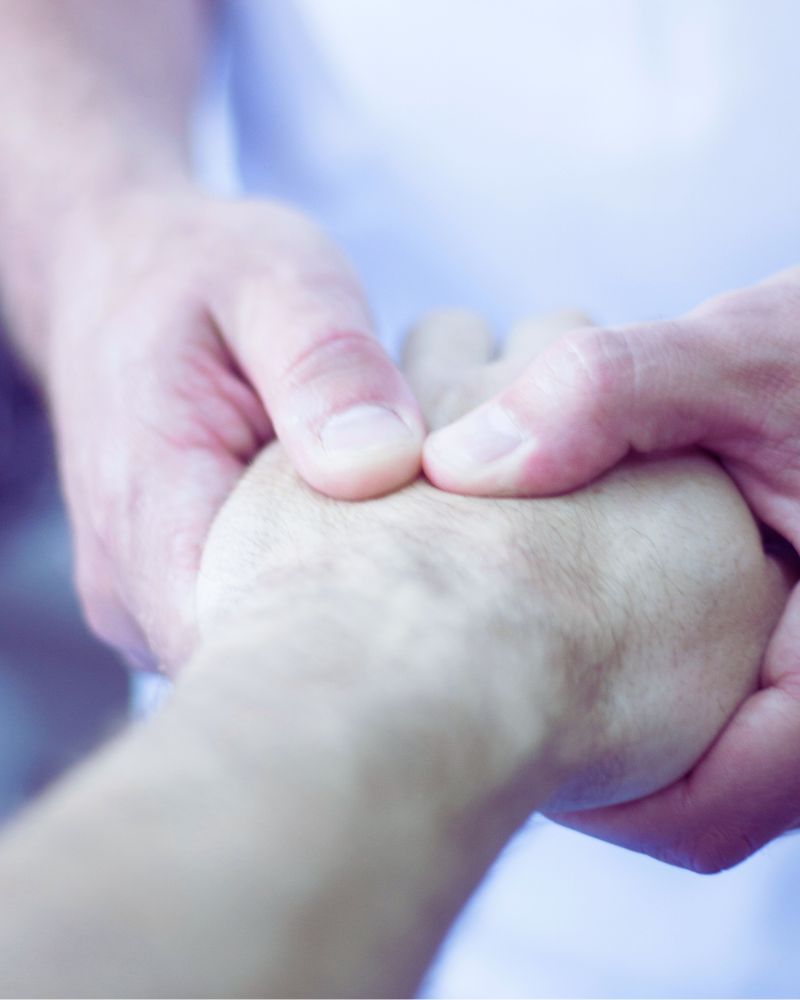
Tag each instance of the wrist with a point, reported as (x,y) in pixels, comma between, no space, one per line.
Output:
(375,729)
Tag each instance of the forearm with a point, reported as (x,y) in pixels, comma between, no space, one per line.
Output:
(94,99)
(305,818)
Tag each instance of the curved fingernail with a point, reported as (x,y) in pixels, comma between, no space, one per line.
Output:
(364,427)
(484,436)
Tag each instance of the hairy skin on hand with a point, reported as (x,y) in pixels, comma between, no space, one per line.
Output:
(384,691)
(627,574)
(725,377)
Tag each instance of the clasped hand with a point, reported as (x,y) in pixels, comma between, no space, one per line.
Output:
(613,631)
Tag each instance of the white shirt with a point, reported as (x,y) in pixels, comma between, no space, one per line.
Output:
(629,158)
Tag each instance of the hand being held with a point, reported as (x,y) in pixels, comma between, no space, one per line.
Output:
(725,377)
(186,332)
(604,615)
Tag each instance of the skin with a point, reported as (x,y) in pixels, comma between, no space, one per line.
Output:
(724,377)
(365,724)
(174,334)
(160,369)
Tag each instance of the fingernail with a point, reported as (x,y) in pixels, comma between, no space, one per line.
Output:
(485,436)
(364,427)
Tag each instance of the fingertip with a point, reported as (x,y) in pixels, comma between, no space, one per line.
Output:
(478,454)
(366,476)
(487,454)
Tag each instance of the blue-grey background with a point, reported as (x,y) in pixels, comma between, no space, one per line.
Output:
(61,691)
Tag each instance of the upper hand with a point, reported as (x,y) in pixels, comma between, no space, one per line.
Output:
(725,377)
(185,333)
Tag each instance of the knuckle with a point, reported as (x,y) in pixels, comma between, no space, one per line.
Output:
(610,368)
(603,359)
(338,352)
(590,371)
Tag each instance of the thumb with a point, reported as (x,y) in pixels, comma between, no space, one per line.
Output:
(345,415)
(581,406)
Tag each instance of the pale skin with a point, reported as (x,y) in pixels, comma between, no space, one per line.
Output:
(383,692)
(174,334)
(725,377)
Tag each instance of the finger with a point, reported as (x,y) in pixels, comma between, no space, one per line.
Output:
(530,337)
(442,346)
(142,601)
(742,794)
(581,406)
(170,446)
(438,354)
(303,335)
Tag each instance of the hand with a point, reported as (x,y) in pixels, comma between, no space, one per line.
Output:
(652,617)
(186,331)
(384,691)
(725,377)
